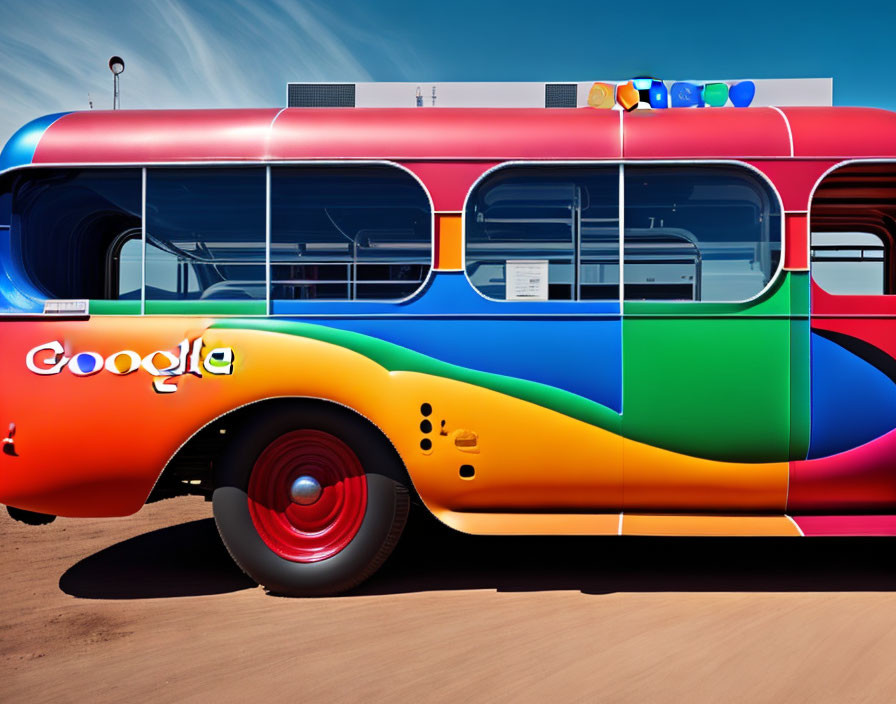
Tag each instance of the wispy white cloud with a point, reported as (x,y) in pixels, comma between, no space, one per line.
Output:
(178,53)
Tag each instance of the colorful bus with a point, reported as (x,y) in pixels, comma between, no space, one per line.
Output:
(532,321)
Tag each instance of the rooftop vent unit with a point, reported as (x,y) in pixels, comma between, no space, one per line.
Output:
(321,95)
(560,95)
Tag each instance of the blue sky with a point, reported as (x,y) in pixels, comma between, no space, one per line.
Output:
(230,53)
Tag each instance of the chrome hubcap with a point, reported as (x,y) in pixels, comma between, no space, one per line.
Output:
(305,490)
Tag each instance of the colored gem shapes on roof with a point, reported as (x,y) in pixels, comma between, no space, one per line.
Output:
(627,96)
(646,92)
(601,96)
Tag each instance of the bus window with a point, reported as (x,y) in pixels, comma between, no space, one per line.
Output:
(699,233)
(205,234)
(853,230)
(556,228)
(65,223)
(348,233)
(850,263)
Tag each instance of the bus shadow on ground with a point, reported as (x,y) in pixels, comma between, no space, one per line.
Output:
(189,559)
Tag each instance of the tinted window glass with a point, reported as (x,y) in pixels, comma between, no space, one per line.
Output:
(65,222)
(545,233)
(850,263)
(205,232)
(348,233)
(698,233)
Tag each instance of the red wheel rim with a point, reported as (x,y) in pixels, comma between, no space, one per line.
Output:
(312,532)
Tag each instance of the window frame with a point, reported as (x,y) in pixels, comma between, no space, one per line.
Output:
(266,165)
(34,290)
(187,306)
(621,164)
(348,164)
(843,163)
(576,239)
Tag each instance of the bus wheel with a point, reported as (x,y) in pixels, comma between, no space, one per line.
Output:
(308,500)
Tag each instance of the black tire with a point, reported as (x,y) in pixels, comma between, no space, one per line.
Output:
(383,520)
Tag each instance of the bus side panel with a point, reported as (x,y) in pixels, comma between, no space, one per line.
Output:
(710,382)
(852,454)
(91,442)
(581,356)
(707,388)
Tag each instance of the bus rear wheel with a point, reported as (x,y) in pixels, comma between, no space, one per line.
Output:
(308,500)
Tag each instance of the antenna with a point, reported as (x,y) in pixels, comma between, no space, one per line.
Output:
(433,96)
(89,100)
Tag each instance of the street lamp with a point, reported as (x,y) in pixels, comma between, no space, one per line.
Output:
(116,66)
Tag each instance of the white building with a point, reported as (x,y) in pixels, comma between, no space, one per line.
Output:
(769,91)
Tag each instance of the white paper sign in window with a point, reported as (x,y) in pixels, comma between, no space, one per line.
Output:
(527,280)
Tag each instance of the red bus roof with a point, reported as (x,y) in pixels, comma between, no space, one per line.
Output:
(467,134)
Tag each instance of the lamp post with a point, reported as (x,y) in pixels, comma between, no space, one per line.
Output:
(116,66)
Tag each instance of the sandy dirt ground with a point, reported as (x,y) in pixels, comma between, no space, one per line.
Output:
(150,608)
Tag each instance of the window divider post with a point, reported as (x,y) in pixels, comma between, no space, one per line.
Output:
(267,240)
(577,238)
(621,237)
(143,241)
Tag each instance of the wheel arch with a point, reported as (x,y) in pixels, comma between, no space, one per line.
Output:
(191,469)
